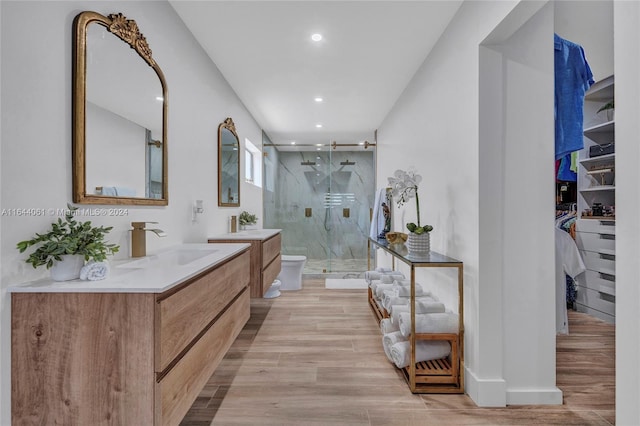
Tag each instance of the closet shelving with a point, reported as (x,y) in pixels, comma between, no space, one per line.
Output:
(436,376)
(595,234)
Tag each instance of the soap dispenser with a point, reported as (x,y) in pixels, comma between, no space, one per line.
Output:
(234,224)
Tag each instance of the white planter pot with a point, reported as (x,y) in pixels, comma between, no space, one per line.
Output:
(68,268)
(419,243)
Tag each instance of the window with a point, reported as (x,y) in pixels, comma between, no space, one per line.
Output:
(253,164)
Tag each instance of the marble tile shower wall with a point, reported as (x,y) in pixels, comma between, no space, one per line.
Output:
(326,189)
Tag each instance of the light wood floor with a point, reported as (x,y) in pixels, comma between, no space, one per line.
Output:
(314,357)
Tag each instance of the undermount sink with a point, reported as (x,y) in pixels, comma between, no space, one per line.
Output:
(175,257)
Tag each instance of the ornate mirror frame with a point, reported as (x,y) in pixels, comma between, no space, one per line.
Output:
(230,126)
(127,30)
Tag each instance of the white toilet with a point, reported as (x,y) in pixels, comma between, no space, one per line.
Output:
(291,272)
(274,290)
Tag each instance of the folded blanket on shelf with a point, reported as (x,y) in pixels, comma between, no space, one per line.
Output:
(426,350)
(422,307)
(429,323)
(373,284)
(390,339)
(386,326)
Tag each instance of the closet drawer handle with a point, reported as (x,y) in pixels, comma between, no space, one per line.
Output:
(607,277)
(606,256)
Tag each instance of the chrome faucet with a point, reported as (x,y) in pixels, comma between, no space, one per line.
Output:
(139,238)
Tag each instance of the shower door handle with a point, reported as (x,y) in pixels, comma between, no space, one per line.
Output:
(346,212)
(307,212)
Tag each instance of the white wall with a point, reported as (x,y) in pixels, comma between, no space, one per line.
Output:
(434,128)
(627,95)
(436,122)
(36,135)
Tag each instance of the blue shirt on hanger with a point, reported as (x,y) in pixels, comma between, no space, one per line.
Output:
(573,78)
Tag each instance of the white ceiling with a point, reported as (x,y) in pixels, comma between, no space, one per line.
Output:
(369,52)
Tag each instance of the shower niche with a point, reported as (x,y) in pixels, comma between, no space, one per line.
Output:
(321,198)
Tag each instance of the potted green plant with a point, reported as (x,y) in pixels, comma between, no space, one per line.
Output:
(68,244)
(247,219)
(404,186)
(609,107)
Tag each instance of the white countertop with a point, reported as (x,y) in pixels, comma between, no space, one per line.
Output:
(249,234)
(155,273)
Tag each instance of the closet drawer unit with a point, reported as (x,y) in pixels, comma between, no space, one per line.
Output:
(597,300)
(596,226)
(599,262)
(270,249)
(594,242)
(611,319)
(598,281)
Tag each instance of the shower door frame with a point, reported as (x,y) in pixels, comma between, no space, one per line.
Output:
(331,236)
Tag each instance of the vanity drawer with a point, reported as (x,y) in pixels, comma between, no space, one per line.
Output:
(596,226)
(599,262)
(184,314)
(597,300)
(270,273)
(593,242)
(180,387)
(270,249)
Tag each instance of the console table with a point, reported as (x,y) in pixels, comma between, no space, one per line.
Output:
(437,376)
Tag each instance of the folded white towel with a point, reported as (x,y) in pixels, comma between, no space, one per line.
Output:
(429,323)
(422,307)
(94,271)
(382,288)
(425,350)
(386,327)
(405,291)
(373,284)
(383,269)
(391,300)
(372,275)
(390,339)
(390,277)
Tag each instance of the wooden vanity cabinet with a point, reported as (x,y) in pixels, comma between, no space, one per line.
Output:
(123,358)
(265,259)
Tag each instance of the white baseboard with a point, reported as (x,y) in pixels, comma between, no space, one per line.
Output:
(494,393)
(541,396)
(485,392)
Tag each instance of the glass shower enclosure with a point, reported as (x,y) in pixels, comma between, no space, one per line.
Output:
(321,196)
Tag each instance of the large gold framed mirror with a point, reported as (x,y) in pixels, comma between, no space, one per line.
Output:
(228,165)
(119,114)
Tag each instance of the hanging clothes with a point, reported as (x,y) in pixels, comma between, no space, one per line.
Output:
(573,77)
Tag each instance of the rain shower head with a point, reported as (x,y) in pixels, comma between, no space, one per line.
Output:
(347,163)
(307,163)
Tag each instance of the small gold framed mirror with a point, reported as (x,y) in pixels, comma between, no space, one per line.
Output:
(119,114)
(228,165)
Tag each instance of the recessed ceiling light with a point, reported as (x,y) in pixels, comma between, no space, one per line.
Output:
(159,98)
(318,125)
(318,144)
(316,37)
(318,99)
(293,142)
(360,143)
(318,149)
